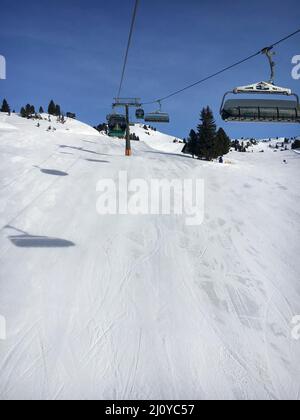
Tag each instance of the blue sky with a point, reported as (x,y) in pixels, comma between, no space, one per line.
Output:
(72,51)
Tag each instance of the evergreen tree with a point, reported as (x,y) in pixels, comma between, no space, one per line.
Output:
(296,145)
(193,142)
(52,108)
(57,111)
(41,110)
(223,143)
(5,107)
(28,110)
(191,145)
(23,112)
(207,144)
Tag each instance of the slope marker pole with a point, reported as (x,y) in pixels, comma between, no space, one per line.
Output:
(128,151)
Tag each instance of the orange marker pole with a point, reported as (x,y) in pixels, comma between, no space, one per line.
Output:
(128,151)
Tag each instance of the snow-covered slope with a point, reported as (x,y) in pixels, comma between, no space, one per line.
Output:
(145,307)
(158,140)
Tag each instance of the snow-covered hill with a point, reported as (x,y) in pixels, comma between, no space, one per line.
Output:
(145,307)
(158,140)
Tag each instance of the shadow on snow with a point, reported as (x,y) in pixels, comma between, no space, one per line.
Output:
(25,240)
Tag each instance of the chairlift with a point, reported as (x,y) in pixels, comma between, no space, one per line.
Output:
(262,110)
(140,114)
(116,125)
(158,116)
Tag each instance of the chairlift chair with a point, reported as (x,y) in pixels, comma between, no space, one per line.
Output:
(116,125)
(140,114)
(262,110)
(157,116)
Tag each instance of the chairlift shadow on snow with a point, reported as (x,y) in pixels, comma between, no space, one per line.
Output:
(169,154)
(88,141)
(66,153)
(79,149)
(54,172)
(97,161)
(25,240)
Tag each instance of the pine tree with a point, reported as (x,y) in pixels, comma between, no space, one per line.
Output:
(223,143)
(296,144)
(28,110)
(41,110)
(207,144)
(57,111)
(23,112)
(193,142)
(5,107)
(191,145)
(52,108)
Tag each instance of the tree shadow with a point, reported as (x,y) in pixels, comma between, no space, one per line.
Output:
(25,240)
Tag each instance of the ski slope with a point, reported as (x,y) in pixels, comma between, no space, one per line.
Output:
(145,307)
(157,140)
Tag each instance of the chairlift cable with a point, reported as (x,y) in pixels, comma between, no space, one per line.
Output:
(128,46)
(223,70)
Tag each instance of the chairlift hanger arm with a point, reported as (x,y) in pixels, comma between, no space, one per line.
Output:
(268,51)
(265,87)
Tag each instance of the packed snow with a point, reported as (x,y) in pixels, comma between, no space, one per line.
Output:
(145,307)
